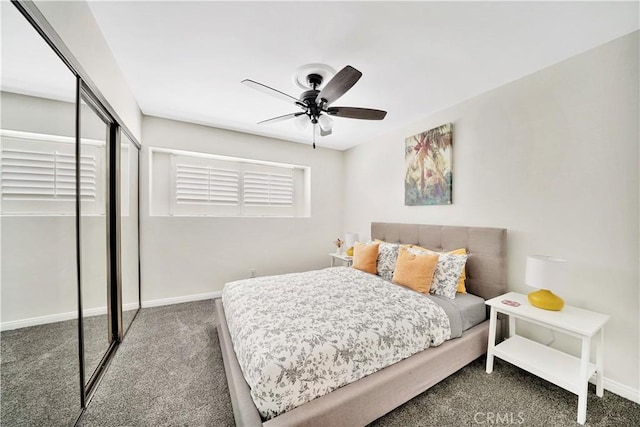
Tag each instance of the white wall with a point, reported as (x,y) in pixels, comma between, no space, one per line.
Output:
(184,256)
(77,27)
(553,158)
(38,274)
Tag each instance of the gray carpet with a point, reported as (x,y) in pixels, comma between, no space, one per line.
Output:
(169,372)
(39,373)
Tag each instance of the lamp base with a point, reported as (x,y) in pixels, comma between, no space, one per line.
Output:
(546,300)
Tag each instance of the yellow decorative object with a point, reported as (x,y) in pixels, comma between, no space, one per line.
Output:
(350,251)
(546,300)
(546,273)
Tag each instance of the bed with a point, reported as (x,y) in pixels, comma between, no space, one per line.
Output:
(362,401)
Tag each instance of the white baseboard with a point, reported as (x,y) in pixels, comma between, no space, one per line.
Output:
(620,389)
(181,299)
(59,317)
(130,306)
(41,320)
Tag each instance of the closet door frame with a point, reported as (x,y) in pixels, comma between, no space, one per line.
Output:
(89,380)
(88,91)
(122,328)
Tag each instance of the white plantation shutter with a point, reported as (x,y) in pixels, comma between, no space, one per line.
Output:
(201,186)
(27,174)
(33,175)
(204,184)
(211,186)
(38,175)
(66,177)
(268,189)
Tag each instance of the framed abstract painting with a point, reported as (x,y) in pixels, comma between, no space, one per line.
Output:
(428,157)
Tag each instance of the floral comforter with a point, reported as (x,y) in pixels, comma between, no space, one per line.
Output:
(300,336)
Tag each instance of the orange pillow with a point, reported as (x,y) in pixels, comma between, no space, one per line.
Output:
(365,257)
(415,271)
(463,274)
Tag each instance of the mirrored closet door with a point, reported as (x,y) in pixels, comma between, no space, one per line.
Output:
(70,285)
(40,375)
(129,246)
(94,232)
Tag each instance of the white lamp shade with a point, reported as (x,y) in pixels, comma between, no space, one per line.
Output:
(546,272)
(350,239)
(302,121)
(325,122)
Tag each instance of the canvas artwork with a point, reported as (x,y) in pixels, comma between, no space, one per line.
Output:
(428,156)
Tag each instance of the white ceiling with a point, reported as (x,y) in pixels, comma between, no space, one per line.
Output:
(185,60)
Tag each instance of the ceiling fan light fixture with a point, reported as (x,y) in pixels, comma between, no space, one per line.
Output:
(302,122)
(325,122)
(319,94)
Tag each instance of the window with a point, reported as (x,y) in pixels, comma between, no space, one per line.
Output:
(38,174)
(202,184)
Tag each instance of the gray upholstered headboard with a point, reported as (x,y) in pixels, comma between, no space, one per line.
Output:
(487,247)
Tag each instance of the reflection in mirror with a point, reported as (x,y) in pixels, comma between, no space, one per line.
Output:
(129,230)
(94,279)
(40,382)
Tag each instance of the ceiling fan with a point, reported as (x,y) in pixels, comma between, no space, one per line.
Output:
(315,103)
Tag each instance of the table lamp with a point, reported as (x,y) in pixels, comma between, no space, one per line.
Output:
(350,240)
(546,273)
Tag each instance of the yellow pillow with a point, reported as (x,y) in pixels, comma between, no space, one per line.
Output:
(463,274)
(415,271)
(365,257)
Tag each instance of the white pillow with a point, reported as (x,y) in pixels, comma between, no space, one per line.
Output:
(448,271)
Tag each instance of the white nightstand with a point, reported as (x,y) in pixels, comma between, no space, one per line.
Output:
(348,260)
(562,369)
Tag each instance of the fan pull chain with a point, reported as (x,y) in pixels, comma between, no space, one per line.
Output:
(314,136)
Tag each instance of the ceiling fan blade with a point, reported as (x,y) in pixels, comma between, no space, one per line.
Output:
(357,113)
(281,118)
(339,84)
(271,91)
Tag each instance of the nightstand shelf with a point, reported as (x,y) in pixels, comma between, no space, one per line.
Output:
(562,369)
(559,368)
